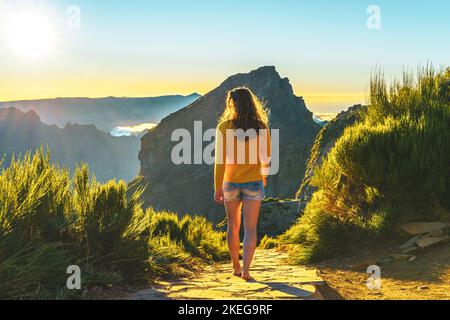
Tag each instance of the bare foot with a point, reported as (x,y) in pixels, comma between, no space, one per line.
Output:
(247,277)
(237,272)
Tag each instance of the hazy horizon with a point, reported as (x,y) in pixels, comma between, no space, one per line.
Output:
(104,97)
(157,48)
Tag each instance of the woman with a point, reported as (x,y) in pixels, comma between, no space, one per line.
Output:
(240,179)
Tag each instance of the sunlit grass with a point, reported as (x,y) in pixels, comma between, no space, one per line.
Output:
(49,221)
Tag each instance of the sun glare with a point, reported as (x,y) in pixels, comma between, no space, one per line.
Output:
(30,35)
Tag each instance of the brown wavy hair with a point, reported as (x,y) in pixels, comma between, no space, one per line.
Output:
(244,110)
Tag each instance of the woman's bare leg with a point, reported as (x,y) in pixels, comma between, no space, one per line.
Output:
(234,216)
(251,215)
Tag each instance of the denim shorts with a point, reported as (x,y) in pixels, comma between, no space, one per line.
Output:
(244,191)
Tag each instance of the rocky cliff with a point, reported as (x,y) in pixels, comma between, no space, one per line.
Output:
(189,188)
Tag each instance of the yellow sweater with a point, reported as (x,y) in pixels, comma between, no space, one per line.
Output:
(252,169)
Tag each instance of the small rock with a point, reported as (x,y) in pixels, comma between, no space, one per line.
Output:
(429,241)
(410,243)
(423,227)
(410,249)
(399,256)
(437,233)
(412,259)
(423,288)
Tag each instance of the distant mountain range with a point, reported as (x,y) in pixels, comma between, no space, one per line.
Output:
(106,114)
(324,118)
(108,157)
(189,188)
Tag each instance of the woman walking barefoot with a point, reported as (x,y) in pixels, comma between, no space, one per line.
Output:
(241,167)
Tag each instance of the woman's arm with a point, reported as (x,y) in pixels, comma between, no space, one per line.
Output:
(265,156)
(220,156)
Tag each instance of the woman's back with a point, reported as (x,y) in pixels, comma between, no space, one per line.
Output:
(241,157)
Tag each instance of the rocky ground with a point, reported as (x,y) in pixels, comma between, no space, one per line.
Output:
(427,277)
(275,279)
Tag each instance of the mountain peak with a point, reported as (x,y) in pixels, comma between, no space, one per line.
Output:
(13,113)
(194,95)
(265,73)
(32,115)
(267,70)
(288,114)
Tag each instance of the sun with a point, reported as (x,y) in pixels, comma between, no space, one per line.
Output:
(30,35)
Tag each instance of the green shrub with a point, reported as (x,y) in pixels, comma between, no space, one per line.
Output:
(319,235)
(166,224)
(49,221)
(36,270)
(268,243)
(391,167)
(199,235)
(195,234)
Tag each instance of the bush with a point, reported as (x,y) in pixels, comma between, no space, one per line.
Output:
(391,167)
(195,234)
(268,243)
(49,221)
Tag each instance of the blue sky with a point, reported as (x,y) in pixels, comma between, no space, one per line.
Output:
(149,47)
